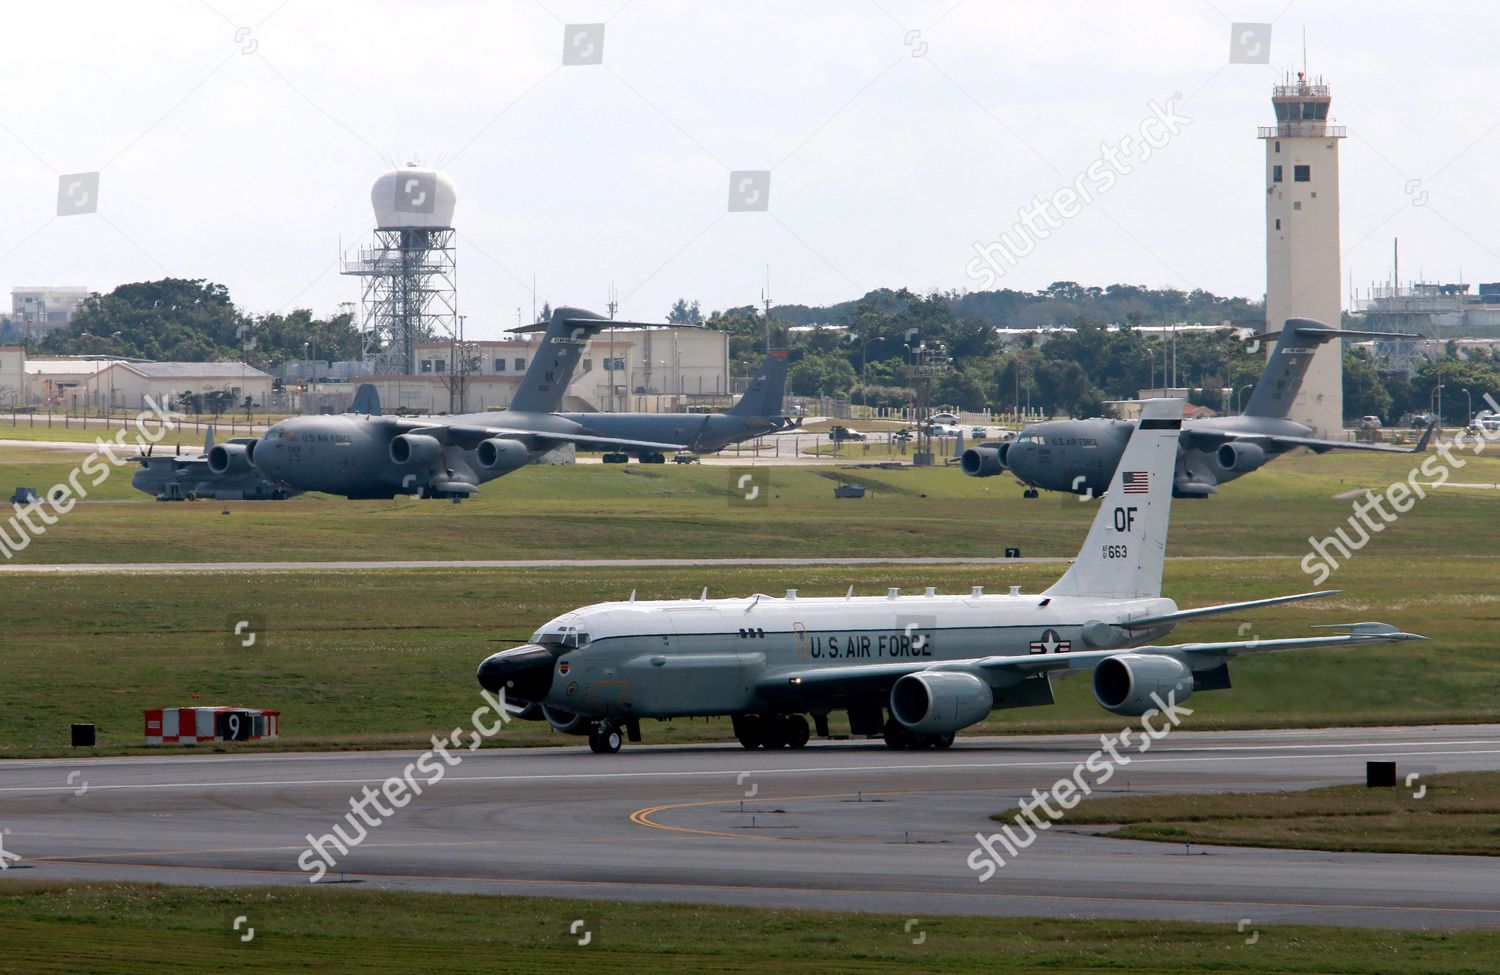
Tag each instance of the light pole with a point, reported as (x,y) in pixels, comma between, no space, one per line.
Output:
(864,360)
(1438,394)
(1237,394)
(1468,409)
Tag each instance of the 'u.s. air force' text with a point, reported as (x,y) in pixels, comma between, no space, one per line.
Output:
(834,646)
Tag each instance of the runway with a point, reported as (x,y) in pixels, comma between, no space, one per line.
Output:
(837,826)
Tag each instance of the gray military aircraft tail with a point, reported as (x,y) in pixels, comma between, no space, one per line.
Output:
(1079,456)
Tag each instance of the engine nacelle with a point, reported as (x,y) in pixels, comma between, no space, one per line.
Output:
(1240,458)
(940,702)
(566,721)
(498,454)
(1124,683)
(230,458)
(985,461)
(415,449)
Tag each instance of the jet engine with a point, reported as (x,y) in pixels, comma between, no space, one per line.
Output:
(1124,683)
(1240,458)
(230,458)
(940,702)
(416,449)
(985,461)
(566,721)
(502,456)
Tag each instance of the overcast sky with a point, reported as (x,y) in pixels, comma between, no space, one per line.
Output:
(238,142)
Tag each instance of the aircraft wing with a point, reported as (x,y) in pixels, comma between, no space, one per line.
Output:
(1004,671)
(1312,443)
(468,436)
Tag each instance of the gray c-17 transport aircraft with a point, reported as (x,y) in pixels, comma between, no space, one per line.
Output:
(367,456)
(1080,456)
(934,663)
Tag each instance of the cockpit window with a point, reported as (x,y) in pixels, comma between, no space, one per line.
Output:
(570,637)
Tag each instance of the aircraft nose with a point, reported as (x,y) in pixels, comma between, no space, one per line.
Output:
(524,672)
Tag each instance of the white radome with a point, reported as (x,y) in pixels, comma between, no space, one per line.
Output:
(413,196)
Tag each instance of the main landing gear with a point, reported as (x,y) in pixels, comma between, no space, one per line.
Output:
(1031,493)
(898,737)
(771,730)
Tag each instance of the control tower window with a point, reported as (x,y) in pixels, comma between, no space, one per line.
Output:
(1302,174)
(1275,174)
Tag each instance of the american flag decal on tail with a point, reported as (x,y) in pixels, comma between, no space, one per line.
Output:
(1136,482)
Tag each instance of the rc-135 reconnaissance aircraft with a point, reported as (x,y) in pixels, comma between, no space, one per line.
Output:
(1080,456)
(936,664)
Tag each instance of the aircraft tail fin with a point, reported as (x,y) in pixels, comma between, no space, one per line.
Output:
(1122,557)
(564,337)
(1297,344)
(366,400)
(764,393)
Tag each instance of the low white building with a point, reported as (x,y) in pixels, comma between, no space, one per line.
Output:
(12,376)
(623,370)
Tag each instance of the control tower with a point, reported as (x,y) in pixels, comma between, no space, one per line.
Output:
(410,271)
(1302,237)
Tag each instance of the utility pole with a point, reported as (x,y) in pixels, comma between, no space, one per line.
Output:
(765,298)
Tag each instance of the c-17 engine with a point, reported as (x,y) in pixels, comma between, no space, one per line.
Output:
(415,449)
(501,455)
(230,458)
(984,460)
(1124,684)
(1239,458)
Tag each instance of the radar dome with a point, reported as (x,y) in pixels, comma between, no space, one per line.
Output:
(413,196)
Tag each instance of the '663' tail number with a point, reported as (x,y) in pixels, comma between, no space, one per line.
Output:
(1124,523)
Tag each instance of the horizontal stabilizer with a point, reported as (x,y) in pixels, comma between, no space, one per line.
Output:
(1188,614)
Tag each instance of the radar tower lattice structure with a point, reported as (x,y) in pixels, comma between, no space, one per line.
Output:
(409,271)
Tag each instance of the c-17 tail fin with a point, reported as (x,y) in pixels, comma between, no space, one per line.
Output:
(366,400)
(1122,557)
(1296,345)
(764,393)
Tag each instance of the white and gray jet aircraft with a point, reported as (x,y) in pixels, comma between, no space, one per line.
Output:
(914,668)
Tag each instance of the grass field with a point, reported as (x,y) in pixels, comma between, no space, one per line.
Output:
(136,928)
(681,511)
(1457,813)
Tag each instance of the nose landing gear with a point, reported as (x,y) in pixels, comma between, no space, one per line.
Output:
(606,738)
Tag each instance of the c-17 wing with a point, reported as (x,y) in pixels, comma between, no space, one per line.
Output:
(470,436)
(1008,670)
(1312,443)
